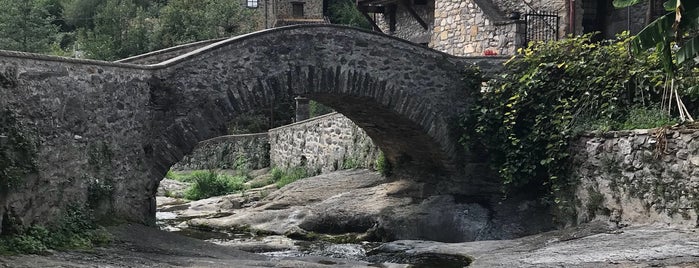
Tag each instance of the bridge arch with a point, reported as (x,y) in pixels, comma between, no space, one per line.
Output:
(406,97)
(125,124)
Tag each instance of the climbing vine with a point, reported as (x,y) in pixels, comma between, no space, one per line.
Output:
(524,119)
(17,152)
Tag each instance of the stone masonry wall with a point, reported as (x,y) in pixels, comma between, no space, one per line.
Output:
(247,151)
(461,28)
(312,9)
(322,144)
(470,27)
(89,120)
(639,177)
(407,27)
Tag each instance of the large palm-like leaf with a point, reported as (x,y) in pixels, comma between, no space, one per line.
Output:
(683,17)
(666,29)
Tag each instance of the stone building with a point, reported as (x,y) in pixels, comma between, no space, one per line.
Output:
(499,27)
(276,13)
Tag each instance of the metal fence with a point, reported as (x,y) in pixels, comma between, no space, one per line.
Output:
(541,26)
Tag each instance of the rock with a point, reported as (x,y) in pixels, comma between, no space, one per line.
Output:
(172,188)
(162,201)
(260,245)
(595,246)
(364,203)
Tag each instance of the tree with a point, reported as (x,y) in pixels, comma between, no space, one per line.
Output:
(345,12)
(26,25)
(121,30)
(80,13)
(679,27)
(184,21)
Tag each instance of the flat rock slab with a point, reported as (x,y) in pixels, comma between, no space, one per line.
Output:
(642,246)
(140,246)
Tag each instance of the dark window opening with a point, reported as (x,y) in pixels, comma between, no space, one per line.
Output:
(420,2)
(297,9)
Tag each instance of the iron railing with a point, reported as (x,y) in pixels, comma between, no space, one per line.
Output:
(541,26)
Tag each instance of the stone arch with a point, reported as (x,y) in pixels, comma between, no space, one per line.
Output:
(406,97)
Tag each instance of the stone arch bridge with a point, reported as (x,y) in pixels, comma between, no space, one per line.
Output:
(118,127)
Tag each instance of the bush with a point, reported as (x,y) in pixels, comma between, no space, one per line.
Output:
(644,118)
(284,177)
(206,184)
(74,230)
(525,117)
(382,165)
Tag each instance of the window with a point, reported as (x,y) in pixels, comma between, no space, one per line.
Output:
(252,3)
(297,9)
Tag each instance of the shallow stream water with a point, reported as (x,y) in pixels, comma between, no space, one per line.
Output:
(286,247)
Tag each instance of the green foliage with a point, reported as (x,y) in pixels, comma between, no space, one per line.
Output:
(524,119)
(382,165)
(249,123)
(242,165)
(17,152)
(317,109)
(80,13)
(282,177)
(206,184)
(75,230)
(644,118)
(350,163)
(261,183)
(345,12)
(680,25)
(26,25)
(184,21)
(178,175)
(121,29)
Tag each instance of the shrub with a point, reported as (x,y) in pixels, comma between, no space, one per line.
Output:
(284,177)
(207,184)
(382,165)
(525,117)
(350,163)
(74,230)
(644,118)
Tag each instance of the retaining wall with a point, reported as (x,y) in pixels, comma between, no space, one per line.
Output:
(247,151)
(639,177)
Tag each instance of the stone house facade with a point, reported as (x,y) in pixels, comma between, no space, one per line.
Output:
(499,27)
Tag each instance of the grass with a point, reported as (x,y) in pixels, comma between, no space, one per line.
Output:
(282,177)
(206,184)
(75,230)
(258,184)
(645,118)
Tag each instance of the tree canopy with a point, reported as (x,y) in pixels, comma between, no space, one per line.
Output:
(113,29)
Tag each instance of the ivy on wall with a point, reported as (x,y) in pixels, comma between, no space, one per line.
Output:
(17,152)
(524,118)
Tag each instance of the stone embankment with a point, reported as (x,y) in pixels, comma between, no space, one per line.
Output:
(639,177)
